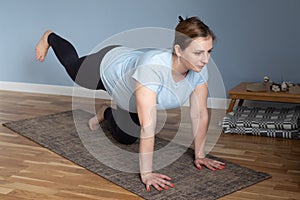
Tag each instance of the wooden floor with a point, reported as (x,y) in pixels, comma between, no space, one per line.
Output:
(28,171)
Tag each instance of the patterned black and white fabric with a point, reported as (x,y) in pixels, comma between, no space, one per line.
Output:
(270,121)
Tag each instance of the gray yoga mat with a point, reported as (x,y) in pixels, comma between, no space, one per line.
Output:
(68,135)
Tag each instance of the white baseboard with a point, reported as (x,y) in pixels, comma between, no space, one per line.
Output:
(53,89)
(216,103)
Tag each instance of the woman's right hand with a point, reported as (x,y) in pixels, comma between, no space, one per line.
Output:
(158,181)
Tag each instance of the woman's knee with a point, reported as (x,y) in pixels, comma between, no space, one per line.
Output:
(124,138)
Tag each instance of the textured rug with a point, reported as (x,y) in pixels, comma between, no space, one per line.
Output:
(67,134)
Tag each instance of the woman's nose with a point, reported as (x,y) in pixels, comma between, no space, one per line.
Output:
(205,58)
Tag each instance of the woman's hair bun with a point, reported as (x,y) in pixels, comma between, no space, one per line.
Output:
(180,19)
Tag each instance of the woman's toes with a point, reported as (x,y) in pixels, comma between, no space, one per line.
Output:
(42,47)
(94,123)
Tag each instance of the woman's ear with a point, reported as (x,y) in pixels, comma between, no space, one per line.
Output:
(177,50)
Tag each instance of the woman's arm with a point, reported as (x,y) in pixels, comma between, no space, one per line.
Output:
(146,108)
(200,120)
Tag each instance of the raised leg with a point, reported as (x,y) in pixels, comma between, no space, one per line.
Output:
(82,70)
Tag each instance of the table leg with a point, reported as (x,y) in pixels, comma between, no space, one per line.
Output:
(231,105)
(241,101)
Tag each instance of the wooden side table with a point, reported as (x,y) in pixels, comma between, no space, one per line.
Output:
(240,93)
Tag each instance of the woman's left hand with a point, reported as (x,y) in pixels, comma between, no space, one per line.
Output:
(209,163)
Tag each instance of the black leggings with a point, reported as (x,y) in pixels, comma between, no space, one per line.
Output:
(85,72)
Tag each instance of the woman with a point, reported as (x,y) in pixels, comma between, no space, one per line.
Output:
(141,82)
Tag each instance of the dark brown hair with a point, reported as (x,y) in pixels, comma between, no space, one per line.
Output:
(189,29)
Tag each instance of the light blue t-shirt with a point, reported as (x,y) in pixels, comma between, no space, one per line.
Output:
(122,67)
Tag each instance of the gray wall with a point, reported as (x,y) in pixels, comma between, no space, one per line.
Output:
(255,37)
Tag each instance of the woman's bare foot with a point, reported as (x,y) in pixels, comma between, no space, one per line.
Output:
(42,47)
(94,122)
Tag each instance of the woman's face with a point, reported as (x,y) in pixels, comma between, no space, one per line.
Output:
(197,54)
